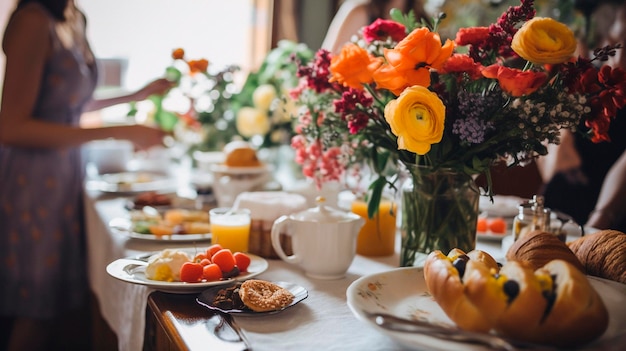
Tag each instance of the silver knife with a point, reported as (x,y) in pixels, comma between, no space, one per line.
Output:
(494,342)
(224,328)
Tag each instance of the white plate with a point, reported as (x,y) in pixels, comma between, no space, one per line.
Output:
(239,170)
(502,206)
(207,296)
(133,182)
(132,270)
(124,225)
(489,236)
(402,293)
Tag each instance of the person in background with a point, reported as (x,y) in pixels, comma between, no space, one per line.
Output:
(584,179)
(355,14)
(49,81)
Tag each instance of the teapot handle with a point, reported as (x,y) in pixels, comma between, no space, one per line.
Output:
(277,229)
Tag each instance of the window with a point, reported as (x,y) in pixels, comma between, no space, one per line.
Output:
(136,37)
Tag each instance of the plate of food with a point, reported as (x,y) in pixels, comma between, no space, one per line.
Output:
(162,270)
(252,297)
(174,225)
(134,182)
(402,295)
(492,228)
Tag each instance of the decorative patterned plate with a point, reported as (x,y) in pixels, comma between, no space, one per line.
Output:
(402,293)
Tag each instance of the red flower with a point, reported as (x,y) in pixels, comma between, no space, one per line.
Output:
(382,29)
(198,66)
(514,81)
(459,63)
(178,54)
(471,36)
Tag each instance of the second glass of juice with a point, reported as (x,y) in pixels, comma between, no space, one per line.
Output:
(230,227)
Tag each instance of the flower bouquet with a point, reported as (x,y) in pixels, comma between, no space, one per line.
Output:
(400,98)
(198,109)
(262,111)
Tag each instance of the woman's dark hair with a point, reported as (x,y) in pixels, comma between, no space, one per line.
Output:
(56,7)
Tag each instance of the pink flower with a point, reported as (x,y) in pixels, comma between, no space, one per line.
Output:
(382,29)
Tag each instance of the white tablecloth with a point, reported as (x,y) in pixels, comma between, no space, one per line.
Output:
(321,322)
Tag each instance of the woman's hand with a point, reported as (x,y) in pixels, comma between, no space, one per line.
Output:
(156,87)
(145,137)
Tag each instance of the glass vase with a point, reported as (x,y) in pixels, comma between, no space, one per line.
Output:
(439,212)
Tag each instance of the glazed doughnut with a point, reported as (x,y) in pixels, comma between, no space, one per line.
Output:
(554,305)
(264,296)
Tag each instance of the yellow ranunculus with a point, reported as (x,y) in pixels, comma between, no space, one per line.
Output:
(417,118)
(544,40)
(263,96)
(252,121)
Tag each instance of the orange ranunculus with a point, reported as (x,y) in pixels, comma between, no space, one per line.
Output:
(353,67)
(514,81)
(196,66)
(544,40)
(417,118)
(409,63)
(471,36)
(459,63)
(178,54)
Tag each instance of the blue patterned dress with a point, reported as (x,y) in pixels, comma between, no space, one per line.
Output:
(42,241)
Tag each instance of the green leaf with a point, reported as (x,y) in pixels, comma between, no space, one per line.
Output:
(377,192)
(166,120)
(173,74)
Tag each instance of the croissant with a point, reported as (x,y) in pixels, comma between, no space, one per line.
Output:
(538,248)
(603,254)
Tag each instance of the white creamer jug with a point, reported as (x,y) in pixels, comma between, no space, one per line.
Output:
(323,240)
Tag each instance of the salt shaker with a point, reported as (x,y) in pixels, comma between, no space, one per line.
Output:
(533,215)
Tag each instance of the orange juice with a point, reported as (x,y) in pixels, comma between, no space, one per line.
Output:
(378,235)
(230,229)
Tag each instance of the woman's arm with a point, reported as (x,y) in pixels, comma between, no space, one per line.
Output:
(352,15)
(611,205)
(156,87)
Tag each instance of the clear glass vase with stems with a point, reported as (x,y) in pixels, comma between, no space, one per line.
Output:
(439,212)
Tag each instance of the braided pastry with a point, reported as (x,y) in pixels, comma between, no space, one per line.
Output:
(553,305)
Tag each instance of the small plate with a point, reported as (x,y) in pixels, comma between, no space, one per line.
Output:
(132,270)
(133,182)
(206,298)
(124,225)
(220,168)
(489,236)
(402,293)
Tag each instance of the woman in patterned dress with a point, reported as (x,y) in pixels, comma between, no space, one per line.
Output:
(49,80)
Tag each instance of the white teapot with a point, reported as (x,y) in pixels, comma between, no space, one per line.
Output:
(323,240)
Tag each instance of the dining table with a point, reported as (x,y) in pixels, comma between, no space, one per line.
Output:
(322,321)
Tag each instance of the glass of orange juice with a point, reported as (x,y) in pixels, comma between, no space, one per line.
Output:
(378,235)
(230,227)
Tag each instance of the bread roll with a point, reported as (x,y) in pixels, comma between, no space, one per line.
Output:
(444,284)
(553,305)
(240,154)
(538,248)
(522,317)
(577,315)
(603,254)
